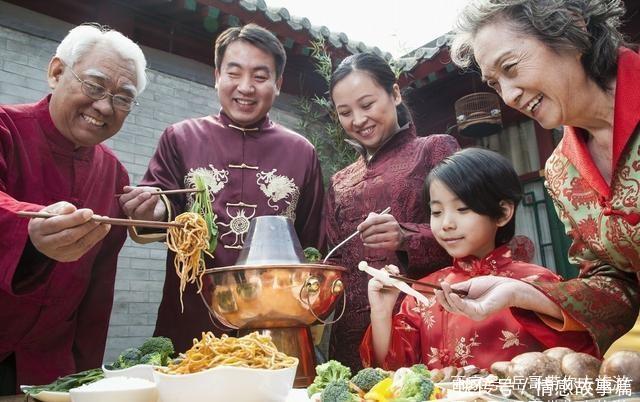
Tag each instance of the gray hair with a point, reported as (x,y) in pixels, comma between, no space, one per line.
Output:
(83,38)
(589,26)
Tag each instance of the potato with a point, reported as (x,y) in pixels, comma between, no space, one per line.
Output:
(534,364)
(436,375)
(500,369)
(558,352)
(623,363)
(449,372)
(580,365)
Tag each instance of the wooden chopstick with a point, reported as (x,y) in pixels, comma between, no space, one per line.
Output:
(178,191)
(105,219)
(427,284)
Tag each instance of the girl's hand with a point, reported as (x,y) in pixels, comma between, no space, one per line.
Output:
(381,231)
(382,299)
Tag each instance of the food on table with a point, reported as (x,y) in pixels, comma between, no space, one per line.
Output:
(558,352)
(623,363)
(64,384)
(580,365)
(197,236)
(334,383)
(252,351)
(312,255)
(156,351)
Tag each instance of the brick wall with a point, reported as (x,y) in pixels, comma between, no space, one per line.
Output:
(178,88)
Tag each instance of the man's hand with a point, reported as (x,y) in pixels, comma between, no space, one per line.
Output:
(381,231)
(141,203)
(67,237)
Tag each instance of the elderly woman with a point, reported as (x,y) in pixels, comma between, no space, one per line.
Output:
(564,62)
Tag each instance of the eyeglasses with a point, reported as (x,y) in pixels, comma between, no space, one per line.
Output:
(97,92)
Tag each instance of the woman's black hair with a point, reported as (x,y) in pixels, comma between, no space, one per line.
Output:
(481,179)
(379,70)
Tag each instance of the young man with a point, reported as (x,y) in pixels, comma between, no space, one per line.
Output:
(57,274)
(251,165)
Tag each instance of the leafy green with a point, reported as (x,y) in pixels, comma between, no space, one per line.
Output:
(158,344)
(412,384)
(64,384)
(128,358)
(202,205)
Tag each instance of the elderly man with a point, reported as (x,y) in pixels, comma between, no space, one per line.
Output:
(252,166)
(57,274)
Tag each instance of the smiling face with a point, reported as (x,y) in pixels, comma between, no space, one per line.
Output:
(82,120)
(247,83)
(366,111)
(458,229)
(530,76)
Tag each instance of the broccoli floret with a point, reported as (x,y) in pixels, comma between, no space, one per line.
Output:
(312,255)
(368,377)
(158,344)
(415,386)
(422,370)
(338,391)
(325,373)
(128,358)
(154,358)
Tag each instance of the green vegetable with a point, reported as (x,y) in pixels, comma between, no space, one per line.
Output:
(64,384)
(422,370)
(128,358)
(154,358)
(160,345)
(328,372)
(202,205)
(338,391)
(312,255)
(368,377)
(412,385)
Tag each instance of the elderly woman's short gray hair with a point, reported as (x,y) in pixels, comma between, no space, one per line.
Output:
(560,24)
(83,38)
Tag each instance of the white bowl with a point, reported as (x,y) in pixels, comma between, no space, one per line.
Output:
(226,384)
(144,371)
(123,392)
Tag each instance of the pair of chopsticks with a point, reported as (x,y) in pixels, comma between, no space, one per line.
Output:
(426,284)
(179,191)
(351,236)
(105,219)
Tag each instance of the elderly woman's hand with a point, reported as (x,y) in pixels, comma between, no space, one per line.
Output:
(488,295)
(141,203)
(381,231)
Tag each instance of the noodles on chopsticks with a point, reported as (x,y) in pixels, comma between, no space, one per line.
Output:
(188,243)
(252,351)
(197,236)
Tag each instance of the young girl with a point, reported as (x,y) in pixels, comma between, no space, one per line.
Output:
(473,196)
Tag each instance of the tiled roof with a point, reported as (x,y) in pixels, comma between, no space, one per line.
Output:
(424,53)
(338,40)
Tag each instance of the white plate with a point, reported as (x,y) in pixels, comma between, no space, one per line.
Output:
(298,395)
(48,396)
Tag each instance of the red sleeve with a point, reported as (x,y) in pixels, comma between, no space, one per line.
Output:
(166,169)
(332,232)
(309,225)
(405,347)
(14,237)
(94,310)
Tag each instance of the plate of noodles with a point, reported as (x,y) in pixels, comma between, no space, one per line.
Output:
(246,369)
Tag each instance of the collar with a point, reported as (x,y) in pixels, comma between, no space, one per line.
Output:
(257,127)
(58,142)
(625,121)
(404,134)
(491,264)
